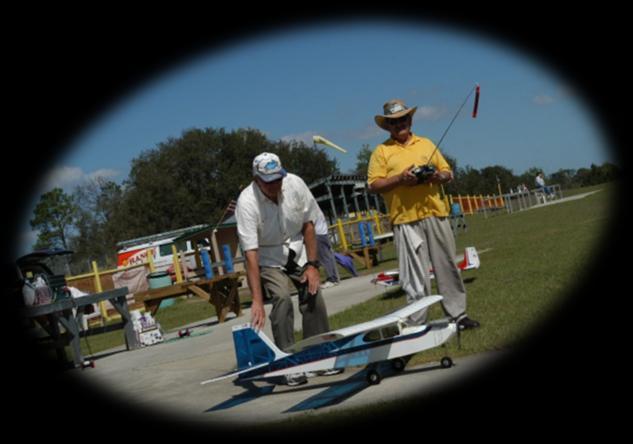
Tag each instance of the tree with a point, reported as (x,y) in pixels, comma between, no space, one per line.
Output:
(563,177)
(190,180)
(495,176)
(311,164)
(53,218)
(466,181)
(362,160)
(529,176)
(97,224)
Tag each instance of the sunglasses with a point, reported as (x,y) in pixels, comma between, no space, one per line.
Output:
(394,122)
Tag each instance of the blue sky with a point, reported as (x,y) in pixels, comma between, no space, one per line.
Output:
(331,79)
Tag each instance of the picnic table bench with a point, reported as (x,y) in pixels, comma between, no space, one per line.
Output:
(220,290)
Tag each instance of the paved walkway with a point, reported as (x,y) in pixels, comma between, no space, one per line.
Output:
(563,200)
(166,377)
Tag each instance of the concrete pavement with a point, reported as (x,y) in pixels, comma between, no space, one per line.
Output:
(165,378)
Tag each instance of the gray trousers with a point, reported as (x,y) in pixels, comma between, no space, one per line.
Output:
(312,307)
(326,257)
(422,245)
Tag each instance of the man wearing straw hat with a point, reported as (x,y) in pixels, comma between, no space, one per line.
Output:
(422,232)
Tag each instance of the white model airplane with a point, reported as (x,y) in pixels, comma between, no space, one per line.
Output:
(388,338)
(392,277)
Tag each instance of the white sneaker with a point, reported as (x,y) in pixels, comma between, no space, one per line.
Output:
(296,379)
(330,372)
(327,284)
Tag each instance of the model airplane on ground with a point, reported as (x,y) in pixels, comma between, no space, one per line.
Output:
(391,278)
(388,338)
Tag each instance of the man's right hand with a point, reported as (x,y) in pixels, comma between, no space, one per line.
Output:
(407,177)
(258,315)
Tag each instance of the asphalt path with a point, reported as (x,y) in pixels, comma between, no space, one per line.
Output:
(165,378)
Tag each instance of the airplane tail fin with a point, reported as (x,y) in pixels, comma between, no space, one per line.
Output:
(253,347)
(471,259)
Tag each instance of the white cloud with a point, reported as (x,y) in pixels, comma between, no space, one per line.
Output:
(63,177)
(25,242)
(305,137)
(543,99)
(369,132)
(106,173)
(566,91)
(429,113)
(67,177)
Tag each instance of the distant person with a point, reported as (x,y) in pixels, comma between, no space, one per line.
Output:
(275,219)
(540,185)
(419,217)
(326,253)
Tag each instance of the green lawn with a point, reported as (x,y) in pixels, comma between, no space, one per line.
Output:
(529,261)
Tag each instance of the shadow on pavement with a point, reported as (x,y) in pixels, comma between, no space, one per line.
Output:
(335,392)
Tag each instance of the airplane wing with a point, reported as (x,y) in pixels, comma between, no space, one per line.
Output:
(380,322)
(414,307)
(314,340)
(233,373)
(390,319)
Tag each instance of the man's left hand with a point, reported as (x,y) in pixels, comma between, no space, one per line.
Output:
(312,276)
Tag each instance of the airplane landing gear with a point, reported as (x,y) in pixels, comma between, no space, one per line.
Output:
(446,362)
(373,377)
(398,364)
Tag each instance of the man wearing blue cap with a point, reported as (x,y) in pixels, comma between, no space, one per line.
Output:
(275,219)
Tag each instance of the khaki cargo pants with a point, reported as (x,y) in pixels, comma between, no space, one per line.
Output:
(311,307)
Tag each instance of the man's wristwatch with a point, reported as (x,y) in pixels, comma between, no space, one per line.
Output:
(315,264)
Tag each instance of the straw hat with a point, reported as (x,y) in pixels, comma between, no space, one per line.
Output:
(393,109)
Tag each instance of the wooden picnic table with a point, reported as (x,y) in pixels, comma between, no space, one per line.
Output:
(220,290)
(368,255)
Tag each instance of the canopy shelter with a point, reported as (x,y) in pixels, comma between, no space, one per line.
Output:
(157,237)
(215,237)
(340,195)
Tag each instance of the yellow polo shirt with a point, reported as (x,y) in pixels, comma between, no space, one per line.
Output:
(408,203)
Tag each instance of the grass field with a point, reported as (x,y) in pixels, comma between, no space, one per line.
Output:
(529,262)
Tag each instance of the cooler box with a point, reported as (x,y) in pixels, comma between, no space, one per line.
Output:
(159,279)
